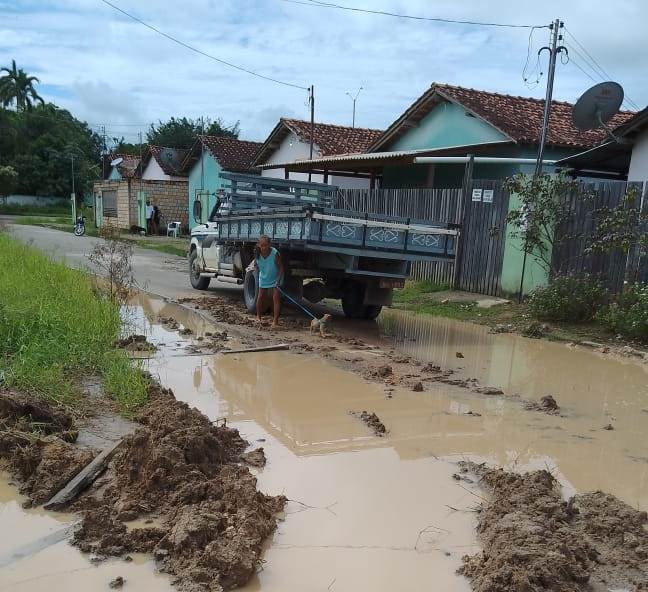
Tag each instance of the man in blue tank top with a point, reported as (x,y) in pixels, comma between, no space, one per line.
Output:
(270,269)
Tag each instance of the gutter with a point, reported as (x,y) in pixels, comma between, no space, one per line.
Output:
(477,160)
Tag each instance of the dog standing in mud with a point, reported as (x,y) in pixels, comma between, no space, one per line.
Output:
(320,324)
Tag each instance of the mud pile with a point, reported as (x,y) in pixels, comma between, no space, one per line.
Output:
(35,445)
(533,540)
(135,342)
(182,472)
(372,421)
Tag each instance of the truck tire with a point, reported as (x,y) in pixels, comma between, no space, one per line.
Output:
(352,301)
(371,311)
(250,291)
(197,282)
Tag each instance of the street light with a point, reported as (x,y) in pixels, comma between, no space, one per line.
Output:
(354,99)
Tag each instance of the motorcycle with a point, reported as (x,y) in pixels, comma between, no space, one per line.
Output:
(79,227)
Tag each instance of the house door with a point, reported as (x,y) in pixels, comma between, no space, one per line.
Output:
(483,236)
(98,209)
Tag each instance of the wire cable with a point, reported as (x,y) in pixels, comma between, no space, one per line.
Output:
(202,53)
(595,65)
(316,3)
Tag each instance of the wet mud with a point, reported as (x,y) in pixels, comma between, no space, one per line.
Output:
(36,445)
(135,342)
(373,422)
(534,540)
(210,521)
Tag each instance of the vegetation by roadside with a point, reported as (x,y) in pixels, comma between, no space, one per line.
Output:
(568,310)
(35,211)
(55,328)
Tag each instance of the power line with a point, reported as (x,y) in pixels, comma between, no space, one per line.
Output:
(317,3)
(202,53)
(595,65)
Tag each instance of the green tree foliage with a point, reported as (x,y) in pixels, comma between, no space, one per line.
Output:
(181,132)
(39,145)
(8,179)
(18,88)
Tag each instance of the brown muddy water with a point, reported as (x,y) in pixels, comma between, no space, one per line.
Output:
(368,512)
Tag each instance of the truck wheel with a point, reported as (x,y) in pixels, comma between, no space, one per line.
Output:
(352,300)
(197,282)
(371,311)
(250,291)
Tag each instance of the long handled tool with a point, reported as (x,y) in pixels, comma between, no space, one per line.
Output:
(308,312)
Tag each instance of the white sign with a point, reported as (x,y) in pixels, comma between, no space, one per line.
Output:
(477,194)
(488,196)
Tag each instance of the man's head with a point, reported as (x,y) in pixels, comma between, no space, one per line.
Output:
(264,245)
(148,202)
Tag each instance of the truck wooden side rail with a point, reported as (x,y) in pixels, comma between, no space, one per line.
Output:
(328,252)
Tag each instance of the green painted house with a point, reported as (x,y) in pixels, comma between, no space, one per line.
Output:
(208,157)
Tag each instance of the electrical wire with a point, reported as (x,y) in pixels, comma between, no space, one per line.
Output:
(536,69)
(317,3)
(202,53)
(595,66)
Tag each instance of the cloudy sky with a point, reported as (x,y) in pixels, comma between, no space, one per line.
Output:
(110,70)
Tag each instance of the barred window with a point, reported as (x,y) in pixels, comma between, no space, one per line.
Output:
(109,203)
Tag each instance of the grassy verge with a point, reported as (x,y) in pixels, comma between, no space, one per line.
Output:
(55,329)
(170,246)
(36,211)
(423,297)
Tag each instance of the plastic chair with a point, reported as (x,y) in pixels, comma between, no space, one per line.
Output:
(173,228)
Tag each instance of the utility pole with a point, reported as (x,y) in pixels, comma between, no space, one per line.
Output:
(354,99)
(554,49)
(73,196)
(311,100)
(104,153)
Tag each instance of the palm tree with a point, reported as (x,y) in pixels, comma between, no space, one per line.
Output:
(16,86)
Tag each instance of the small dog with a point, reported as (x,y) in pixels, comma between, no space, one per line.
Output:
(320,324)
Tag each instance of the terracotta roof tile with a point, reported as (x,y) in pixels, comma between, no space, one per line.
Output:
(519,118)
(232,154)
(169,159)
(334,139)
(128,166)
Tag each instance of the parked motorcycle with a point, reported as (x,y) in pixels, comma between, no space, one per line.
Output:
(79,227)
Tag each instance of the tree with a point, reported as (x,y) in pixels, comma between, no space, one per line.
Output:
(182,132)
(16,87)
(541,212)
(8,179)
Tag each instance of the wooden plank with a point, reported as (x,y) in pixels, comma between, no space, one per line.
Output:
(264,348)
(82,479)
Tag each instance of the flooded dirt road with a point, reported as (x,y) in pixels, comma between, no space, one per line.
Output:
(370,512)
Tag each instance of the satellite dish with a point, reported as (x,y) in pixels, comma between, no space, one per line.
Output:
(597,106)
(116,161)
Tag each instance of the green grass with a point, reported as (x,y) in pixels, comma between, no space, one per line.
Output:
(163,247)
(414,292)
(55,328)
(36,211)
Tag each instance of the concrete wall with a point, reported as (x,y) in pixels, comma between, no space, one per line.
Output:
(170,197)
(292,148)
(37,201)
(639,160)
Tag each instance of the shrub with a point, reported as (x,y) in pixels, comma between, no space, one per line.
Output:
(568,298)
(628,316)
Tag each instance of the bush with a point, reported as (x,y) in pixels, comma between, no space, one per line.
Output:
(628,316)
(568,298)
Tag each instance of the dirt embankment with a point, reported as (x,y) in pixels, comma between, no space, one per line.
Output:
(181,477)
(36,445)
(533,540)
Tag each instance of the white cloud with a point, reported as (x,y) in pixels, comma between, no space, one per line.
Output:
(117,72)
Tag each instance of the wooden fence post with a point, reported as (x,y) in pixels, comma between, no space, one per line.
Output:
(465,197)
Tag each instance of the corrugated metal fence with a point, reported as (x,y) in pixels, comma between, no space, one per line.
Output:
(437,205)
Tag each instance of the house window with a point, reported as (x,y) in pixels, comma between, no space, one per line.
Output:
(109,204)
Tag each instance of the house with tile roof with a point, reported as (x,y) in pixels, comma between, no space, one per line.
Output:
(125,169)
(454,121)
(203,163)
(160,163)
(290,141)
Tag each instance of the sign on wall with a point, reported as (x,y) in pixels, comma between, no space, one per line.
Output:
(477,194)
(488,196)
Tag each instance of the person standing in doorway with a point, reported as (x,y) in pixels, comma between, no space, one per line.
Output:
(149,217)
(156,219)
(270,273)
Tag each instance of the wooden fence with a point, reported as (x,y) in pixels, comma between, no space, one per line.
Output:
(436,205)
(571,253)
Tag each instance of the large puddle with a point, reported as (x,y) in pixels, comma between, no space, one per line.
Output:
(371,513)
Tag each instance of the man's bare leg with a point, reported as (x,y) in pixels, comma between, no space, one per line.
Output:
(276,306)
(259,303)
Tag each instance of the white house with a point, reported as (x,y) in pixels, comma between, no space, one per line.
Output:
(163,164)
(289,141)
